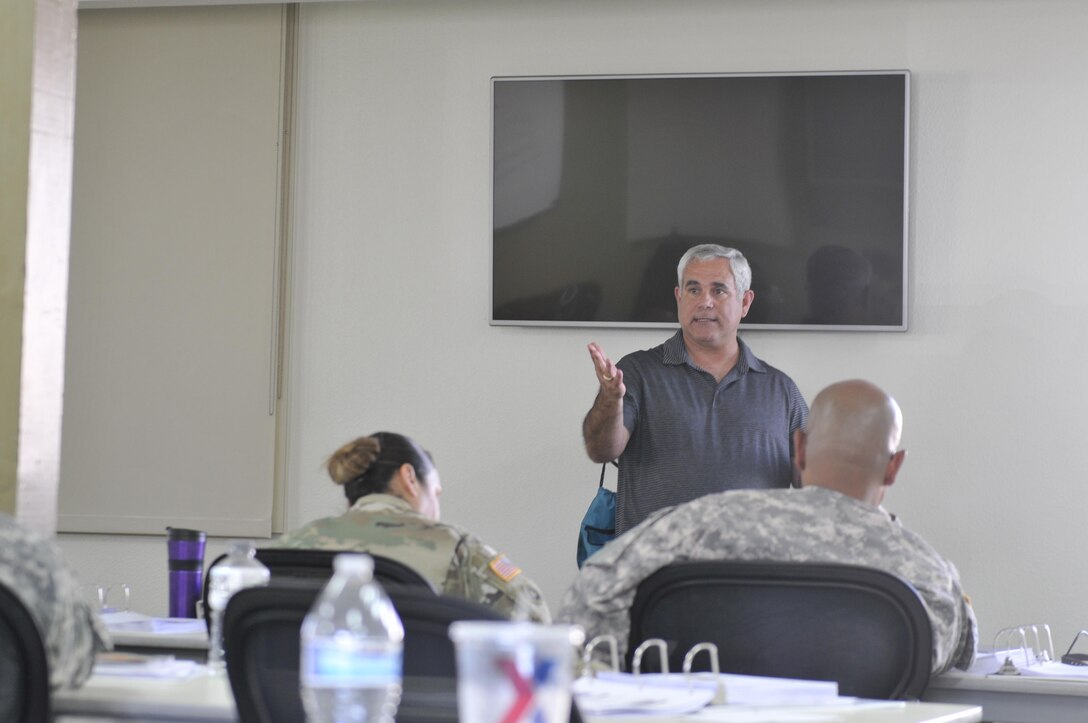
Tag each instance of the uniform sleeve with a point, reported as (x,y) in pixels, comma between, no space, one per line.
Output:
(71,631)
(953,624)
(75,635)
(967,646)
(956,633)
(600,598)
(482,575)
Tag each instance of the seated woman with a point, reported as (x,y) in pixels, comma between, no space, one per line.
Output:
(393,488)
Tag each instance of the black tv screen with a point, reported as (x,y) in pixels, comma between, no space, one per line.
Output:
(600,183)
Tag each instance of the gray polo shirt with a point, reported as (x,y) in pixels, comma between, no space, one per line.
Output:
(691,435)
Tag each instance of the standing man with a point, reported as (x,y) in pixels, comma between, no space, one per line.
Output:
(699,413)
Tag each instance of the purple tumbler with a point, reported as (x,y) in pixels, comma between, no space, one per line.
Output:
(185,549)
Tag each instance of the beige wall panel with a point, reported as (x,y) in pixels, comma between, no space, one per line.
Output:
(169,410)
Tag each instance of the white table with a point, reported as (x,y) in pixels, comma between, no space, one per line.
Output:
(207,699)
(1014,699)
(200,699)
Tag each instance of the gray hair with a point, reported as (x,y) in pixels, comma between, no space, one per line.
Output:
(742,272)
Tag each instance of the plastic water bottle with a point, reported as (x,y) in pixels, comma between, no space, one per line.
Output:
(239,569)
(352,644)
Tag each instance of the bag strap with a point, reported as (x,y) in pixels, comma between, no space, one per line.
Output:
(603,468)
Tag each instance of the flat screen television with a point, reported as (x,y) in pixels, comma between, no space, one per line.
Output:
(600,183)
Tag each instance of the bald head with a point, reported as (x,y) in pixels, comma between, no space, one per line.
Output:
(850,442)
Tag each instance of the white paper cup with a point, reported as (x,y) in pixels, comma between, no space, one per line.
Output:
(514,671)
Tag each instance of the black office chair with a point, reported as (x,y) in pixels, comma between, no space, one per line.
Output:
(287,563)
(24,667)
(291,562)
(261,628)
(864,628)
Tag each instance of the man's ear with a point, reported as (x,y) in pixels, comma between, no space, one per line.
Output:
(892,469)
(746,302)
(799,441)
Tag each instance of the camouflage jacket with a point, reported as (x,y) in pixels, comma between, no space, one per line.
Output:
(454,561)
(813,524)
(34,569)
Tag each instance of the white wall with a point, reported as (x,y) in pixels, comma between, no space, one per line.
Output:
(390,298)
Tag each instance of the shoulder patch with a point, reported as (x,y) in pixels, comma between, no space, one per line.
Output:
(505,570)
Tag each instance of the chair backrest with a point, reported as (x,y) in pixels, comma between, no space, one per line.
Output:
(262,625)
(291,562)
(24,667)
(285,563)
(862,627)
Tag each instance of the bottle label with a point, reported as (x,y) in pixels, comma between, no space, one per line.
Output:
(331,663)
(226,579)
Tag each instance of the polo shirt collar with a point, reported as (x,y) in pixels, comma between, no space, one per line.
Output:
(676,353)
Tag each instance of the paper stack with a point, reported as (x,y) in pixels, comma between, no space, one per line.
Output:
(673,693)
(144,666)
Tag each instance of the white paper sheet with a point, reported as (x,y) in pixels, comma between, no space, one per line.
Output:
(145,666)
(127,621)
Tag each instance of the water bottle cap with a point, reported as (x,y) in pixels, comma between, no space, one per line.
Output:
(242,548)
(353,563)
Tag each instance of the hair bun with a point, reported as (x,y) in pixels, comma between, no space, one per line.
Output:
(353,459)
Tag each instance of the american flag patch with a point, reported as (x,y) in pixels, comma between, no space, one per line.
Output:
(503,568)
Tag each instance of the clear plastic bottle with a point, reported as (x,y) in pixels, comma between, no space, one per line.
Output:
(239,569)
(352,644)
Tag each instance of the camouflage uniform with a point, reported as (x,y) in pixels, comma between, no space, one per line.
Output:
(813,524)
(454,561)
(34,569)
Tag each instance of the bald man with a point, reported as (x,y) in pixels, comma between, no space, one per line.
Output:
(847,457)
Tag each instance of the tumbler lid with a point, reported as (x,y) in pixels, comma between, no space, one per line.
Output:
(180,534)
